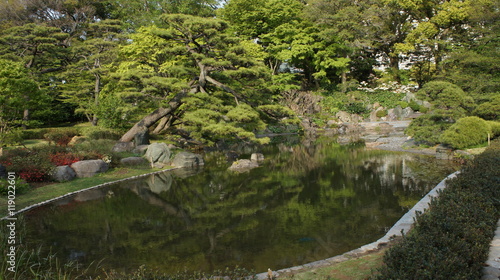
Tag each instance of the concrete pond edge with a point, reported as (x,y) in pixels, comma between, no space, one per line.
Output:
(83,190)
(401,227)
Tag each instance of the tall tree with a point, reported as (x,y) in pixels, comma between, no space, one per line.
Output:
(19,92)
(92,56)
(201,75)
(41,49)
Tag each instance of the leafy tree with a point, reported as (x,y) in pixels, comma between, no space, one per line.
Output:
(137,13)
(92,56)
(41,49)
(19,93)
(446,98)
(198,74)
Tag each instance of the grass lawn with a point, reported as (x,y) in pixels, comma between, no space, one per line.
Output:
(49,191)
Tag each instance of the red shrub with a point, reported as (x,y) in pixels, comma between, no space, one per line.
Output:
(33,175)
(60,159)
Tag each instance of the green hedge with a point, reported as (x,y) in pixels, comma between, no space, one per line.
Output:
(466,132)
(452,239)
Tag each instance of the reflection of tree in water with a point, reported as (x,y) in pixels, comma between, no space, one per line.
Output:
(306,202)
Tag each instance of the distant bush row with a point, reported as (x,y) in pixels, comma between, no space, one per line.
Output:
(452,239)
(54,134)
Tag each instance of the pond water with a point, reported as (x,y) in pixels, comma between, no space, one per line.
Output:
(308,201)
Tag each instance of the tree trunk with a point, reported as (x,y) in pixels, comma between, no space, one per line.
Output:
(394,64)
(152,118)
(162,125)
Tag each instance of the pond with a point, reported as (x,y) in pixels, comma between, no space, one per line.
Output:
(308,201)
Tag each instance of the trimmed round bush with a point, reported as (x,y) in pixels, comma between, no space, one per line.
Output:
(466,132)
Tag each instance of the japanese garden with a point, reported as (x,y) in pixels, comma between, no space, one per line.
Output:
(199,139)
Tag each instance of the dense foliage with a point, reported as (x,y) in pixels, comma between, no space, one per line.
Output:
(215,71)
(452,239)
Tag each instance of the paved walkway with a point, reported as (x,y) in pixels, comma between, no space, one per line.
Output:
(492,269)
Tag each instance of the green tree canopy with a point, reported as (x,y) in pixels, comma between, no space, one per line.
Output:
(199,75)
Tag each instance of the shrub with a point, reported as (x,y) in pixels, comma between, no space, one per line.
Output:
(466,132)
(32,165)
(21,187)
(452,239)
(355,108)
(62,158)
(495,128)
(488,110)
(403,104)
(381,113)
(96,133)
(61,137)
(414,105)
(428,128)
(35,133)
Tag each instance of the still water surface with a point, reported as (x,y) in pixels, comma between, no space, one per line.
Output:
(308,201)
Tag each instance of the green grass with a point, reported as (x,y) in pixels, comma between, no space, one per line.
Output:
(354,269)
(54,190)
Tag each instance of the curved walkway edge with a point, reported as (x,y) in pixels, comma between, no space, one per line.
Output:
(86,189)
(491,270)
(401,227)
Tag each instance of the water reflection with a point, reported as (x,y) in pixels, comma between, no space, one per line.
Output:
(308,201)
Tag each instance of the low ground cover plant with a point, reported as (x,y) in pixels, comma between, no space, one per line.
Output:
(451,240)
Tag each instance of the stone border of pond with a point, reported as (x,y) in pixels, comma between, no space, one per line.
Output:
(82,190)
(401,227)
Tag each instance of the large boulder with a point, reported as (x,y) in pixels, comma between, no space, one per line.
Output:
(140,150)
(158,153)
(187,159)
(142,138)
(77,140)
(63,173)
(123,147)
(243,165)
(89,168)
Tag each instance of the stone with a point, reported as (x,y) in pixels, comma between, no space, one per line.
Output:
(243,165)
(376,105)
(257,157)
(187,159)
(356,118)
(133,161)
(343,116)
(158,152)
(398,113)
(63,173)
(407,112)
(77,140)
(159,183)
(140,150)
(141,138)
(89,168)
(121,147)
